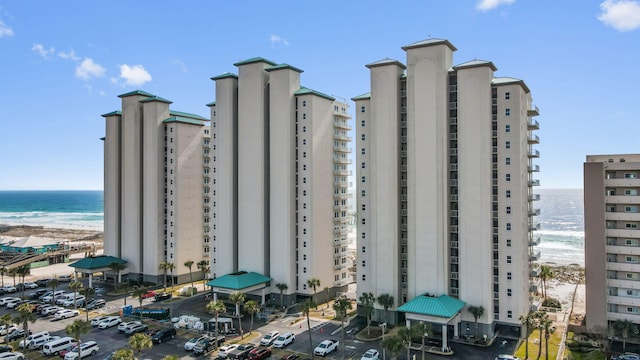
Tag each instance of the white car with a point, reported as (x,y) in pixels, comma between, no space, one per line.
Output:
(188,346)
(14,303)
(97,320)
(66,313)
(11,356)
(226,349)
(110,322)
(269,338)
(284,340)
(30,285)
(371,354)
(123,325)
(86,349)
(5,300)
(8,289)
(4,329)
(51,310)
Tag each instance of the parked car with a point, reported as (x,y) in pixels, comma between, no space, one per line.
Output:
(79,301)
(188,346)
(241,352)
(224,351)
(269,338)
(51,310)
(17,334)
(65,278)
(85,349)
(259,353)
(12,304)
(162,296)
(123,325)
(164,335)
(284,340)
(130,330)
(148,294)
(11,356)
(8,329)
(110,322)
(43,282)
(97,320)
(64,351)
(5,300)
(326,347)
(506,357)
(371,354)
(8,289)
(290,357)
(96,303)
(5,348)
(65,313)
(36,294)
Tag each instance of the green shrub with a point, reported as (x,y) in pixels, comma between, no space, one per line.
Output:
(552,303)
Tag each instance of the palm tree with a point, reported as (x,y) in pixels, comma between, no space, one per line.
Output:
(547,326)
(53,284)
(394,345)
(252,307)
(477,312)
(139,342)
(527,322)
(88,296)
(314,283)
(164,266)
(203,266)
(117,267)
(13,272)
(367,300)
(624,326)
(138,292)
(305,308)
(25,316)
(386,301)
(170,268)
(341,305)
(216,308)
(76,286)
(405,334)
(3,272)
(189,264)
(6,320)
(545,274)
(238,298)
(77,328)
(421,330)
(540,318)
(123,354)
(326,291)
(124,287)
(282,287)
(22,272)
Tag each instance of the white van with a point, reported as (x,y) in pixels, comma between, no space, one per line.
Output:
(69,302)
(36,340)
(55,346)
(63,298)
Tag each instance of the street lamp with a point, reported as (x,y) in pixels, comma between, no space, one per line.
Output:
(424,336)
(384,327)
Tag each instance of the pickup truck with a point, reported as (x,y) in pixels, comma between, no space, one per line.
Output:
(207,344)
(326,347)
(241,352)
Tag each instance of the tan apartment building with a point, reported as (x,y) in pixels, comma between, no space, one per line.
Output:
(445,174)
(156,187)
(280,180)
(611,223)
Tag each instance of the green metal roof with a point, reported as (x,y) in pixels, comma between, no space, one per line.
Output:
(442,306)
(184,120)
(225,76)
(156,98)
(213,103)
(187,115)
(255,60)
(284,66)
(96,262)
(364,96)
(136,92)
(113,113)
(238,281)
(306,91)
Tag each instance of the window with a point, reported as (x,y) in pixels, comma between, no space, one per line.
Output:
(508,177)
(304,141)
(508,194)
(364,249)
(363,137)
(632,209)
(509,277)
(510,314)
(362,109)
(363,165)
(364,179)
(509,259)
(508,292)
(508,226)
(508,209)
(507,161)
(364,193)
(631,192)
(507,128)
(364,207)
(304,129)
(304,103)
(631,242)
(507,112)
(364,263)
(363,151)
(507,95)
(364,277)
(304,116)
(507,144)
(630,175)
(364,221)
(304,167)
(362,123)
(508,242)
(631,226)
(631,259)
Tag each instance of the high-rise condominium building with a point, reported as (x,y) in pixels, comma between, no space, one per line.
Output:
(444,165)
(157,188)
(280,167)
(611,223)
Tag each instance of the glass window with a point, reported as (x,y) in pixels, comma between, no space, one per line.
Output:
(507,95)
(362,109)
(507,128)
(507,112)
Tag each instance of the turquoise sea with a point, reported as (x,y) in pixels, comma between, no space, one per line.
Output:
(561,218)
(60,209)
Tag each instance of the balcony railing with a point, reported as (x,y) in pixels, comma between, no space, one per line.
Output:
(535,139)
(534,212)
(534,154)
(342,137)
(533,125)
(535,271)
(535,256)
(341,207)
(534,168)
(342,149)
(341,124)
(534,183)
(535,241)
(533,112)
(534,197)
(341,160)
(342,183)
(342,172)
(342,196)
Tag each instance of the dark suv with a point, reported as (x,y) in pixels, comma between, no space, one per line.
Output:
(163,335)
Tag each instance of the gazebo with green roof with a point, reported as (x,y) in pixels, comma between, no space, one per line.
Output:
(242,281)
(94,264)
(441,309)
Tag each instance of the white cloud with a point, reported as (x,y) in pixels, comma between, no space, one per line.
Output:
(40,50)
(622,15)
(5,30)
(486,5)
(88,69)
(181,65)
(71,55)
(277,40)
(134,75)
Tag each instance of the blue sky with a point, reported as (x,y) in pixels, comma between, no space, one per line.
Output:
(65,62)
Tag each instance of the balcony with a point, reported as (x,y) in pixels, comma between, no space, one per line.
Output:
(533,112)
(342,149)
(341,160)
(341,207)
(341,266)
(533,125)
(535,271)
(534,182)
(534,168)
(534,154)
(342,196)
(342,220)
(342,137)
(342,183)
(535,241)
(534,197)
(533,287)
(535,256)
(534,212)
(341,230)
(535,139)
(342,172)
(342,124)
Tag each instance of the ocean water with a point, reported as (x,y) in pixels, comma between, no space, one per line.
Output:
(58,209)
(561,226)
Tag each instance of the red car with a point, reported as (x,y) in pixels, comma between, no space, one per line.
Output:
(259,353)
(148,294)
